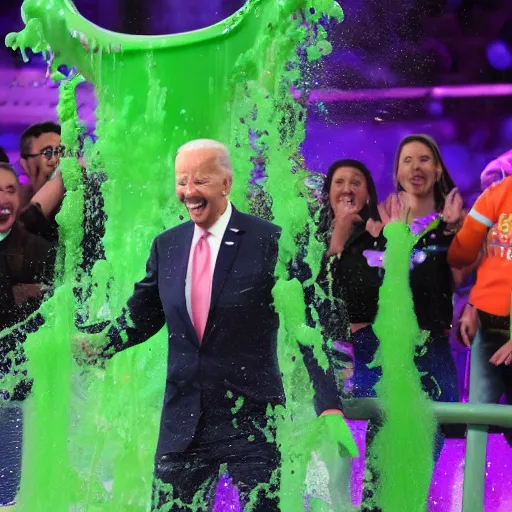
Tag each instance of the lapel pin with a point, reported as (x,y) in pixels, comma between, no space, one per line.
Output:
(235,230)
(229,243)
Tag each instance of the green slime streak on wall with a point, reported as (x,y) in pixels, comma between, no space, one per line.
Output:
(155,93)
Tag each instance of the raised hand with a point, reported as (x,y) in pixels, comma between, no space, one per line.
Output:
(50,195)
(374,227)
(395,209)
(344,220)
(453,207)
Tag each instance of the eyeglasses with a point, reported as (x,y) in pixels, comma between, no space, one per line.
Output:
(48,152)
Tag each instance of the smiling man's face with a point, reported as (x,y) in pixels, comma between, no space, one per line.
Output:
(202,185)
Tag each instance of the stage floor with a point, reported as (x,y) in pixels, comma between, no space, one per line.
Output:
(446,488)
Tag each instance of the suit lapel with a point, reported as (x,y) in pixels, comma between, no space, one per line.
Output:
(227,252)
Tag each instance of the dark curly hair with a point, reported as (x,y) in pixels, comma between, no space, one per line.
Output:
(326,212)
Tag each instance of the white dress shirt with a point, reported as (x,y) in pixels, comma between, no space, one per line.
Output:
(215,239)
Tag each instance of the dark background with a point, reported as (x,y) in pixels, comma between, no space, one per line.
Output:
(382,44)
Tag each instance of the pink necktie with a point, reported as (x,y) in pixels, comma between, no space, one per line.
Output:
(201,290)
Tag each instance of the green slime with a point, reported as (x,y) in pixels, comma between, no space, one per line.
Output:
(94,450)
(403,448)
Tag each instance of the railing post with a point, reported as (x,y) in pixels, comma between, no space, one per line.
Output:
(473,497)
(478,416)
(474,469)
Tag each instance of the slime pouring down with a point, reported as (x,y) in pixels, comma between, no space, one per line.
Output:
(91,435)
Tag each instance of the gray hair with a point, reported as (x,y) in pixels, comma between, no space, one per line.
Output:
(223,157)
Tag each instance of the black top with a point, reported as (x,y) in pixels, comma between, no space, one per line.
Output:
(35,221)
(357,283)
(24,259)
(431,280)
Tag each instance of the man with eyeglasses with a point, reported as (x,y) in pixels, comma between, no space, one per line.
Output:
(40,150)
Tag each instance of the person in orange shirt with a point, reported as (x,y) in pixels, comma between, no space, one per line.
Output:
(494,172)
(490,221)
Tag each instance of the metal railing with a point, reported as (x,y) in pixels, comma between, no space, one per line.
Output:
(478,417)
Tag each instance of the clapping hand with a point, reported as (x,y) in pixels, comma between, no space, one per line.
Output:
(453,207)
(395,209)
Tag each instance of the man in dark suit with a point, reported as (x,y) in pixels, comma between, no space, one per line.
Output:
(210,280)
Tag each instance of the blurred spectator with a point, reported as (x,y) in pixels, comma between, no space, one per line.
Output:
(496,170)
(26,269)
(489,223)
(41,150)
(26,260)
(465,315)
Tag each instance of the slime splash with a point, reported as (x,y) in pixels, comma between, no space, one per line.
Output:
(95,451)
(403,448)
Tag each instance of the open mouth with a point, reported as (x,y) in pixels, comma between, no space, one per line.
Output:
(349,201)
(417,180)
(5,214)
(196,206)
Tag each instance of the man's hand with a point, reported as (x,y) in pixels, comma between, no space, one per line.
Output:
(335,431)
(503,355)
(88,349)
(468,325)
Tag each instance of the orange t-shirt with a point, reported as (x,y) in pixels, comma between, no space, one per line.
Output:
(491,218)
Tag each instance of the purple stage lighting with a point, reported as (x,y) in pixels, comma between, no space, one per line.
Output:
(499,55)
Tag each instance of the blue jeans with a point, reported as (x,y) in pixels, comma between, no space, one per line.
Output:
(439,377)
(439,373)
(487,382)
(11,427)
(439,381)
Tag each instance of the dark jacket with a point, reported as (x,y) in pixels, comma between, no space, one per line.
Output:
(238,353)
(357,283)
(24,259)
